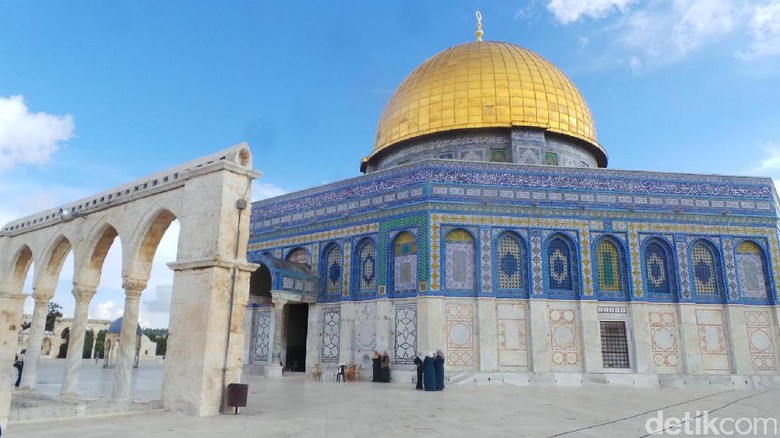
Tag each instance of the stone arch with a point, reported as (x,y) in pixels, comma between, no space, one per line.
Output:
(610,269)
(138,264)
(21,262)
(96,249)
(53,258)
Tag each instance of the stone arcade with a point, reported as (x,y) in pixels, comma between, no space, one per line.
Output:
(209,197)
(488,226)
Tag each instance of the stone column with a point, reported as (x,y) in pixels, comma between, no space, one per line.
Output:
(277,345)
(126,353)
(10,321)
(30,374)
(83,295)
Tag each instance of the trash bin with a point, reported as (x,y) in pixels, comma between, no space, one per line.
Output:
(237,393)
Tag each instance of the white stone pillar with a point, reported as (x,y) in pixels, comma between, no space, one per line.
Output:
(277,355)
(33,355)
(83,295)
(385,327)
(126,352)
(689,332)
(591,336)
(11,305)
(94,342)
(347,331)
(641,339)
(314,337)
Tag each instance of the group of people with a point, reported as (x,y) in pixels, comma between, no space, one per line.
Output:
(430,371)
(381,367)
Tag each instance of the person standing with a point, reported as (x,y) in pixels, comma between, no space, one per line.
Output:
(385,370)
(419,362)
(376,366)
(438,368)
(429,375)
(19,365)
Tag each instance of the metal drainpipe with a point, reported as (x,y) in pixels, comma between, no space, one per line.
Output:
(241,205)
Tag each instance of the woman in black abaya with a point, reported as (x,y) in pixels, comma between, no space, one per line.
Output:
(438,368)
(429,375)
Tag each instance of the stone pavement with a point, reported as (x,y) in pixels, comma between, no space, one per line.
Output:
(296,406)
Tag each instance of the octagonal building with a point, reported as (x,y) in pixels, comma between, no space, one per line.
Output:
(486,225)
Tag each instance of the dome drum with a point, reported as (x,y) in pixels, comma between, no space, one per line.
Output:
(519,145)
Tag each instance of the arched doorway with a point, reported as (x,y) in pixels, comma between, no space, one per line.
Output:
(295,331)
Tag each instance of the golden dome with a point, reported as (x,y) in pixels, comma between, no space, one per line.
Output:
(485,84)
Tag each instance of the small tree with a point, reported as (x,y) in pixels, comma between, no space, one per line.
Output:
(87,351)
(100,344)
(51,317)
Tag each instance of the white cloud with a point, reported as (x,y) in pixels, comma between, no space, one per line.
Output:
(27,137)
(569,11)
(262,190)
(765,29)
(156,307)
(106,310)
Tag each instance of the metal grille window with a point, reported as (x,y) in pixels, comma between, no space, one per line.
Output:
(614,344)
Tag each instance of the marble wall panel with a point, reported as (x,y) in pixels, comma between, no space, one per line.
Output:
(261,348)
(759,333)
(364,334)
(512,335)
(405,333)
(713,344)
(564,337)
(664,338)
(331,334)
(460,334)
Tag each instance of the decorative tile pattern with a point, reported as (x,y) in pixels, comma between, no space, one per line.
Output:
(704,280)
(318,236)
(536,264)
(682,260)
(731,275)
(367,267)
(331,334)
(347,270)
(751,270)
(656,269)
(487,281)
(405,333)
(664,339)
(564,336)
(459,261)
(333,270)
(712,339)
(262,335)
(759,333)
(364,334)
(512,335)
(559,265)
(460,334)
(511,263)
(609,269)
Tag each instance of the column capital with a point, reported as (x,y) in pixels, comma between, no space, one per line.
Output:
(41,298)
(83,292)
(133,287)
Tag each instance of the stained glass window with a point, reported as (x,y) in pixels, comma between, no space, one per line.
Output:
(459,260)
(511,263)
(657,269)
(551,158)
(559,265)
(751,269)
(367,267)
(704,274)
(405,262)
(333,270)
(608,263)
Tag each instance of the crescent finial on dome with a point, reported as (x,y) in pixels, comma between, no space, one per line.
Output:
(479,32)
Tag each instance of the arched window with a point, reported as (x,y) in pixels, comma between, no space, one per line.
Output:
(405,262)
(752,272)
(561,264)
(459,261)
(610,269)
(705,267)
(299,255)
(658,272)
(511,263)
(366,268)
(332,267)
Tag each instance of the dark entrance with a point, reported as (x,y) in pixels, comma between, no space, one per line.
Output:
(297,326)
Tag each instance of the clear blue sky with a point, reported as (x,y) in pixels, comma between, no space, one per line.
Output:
(685,85)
